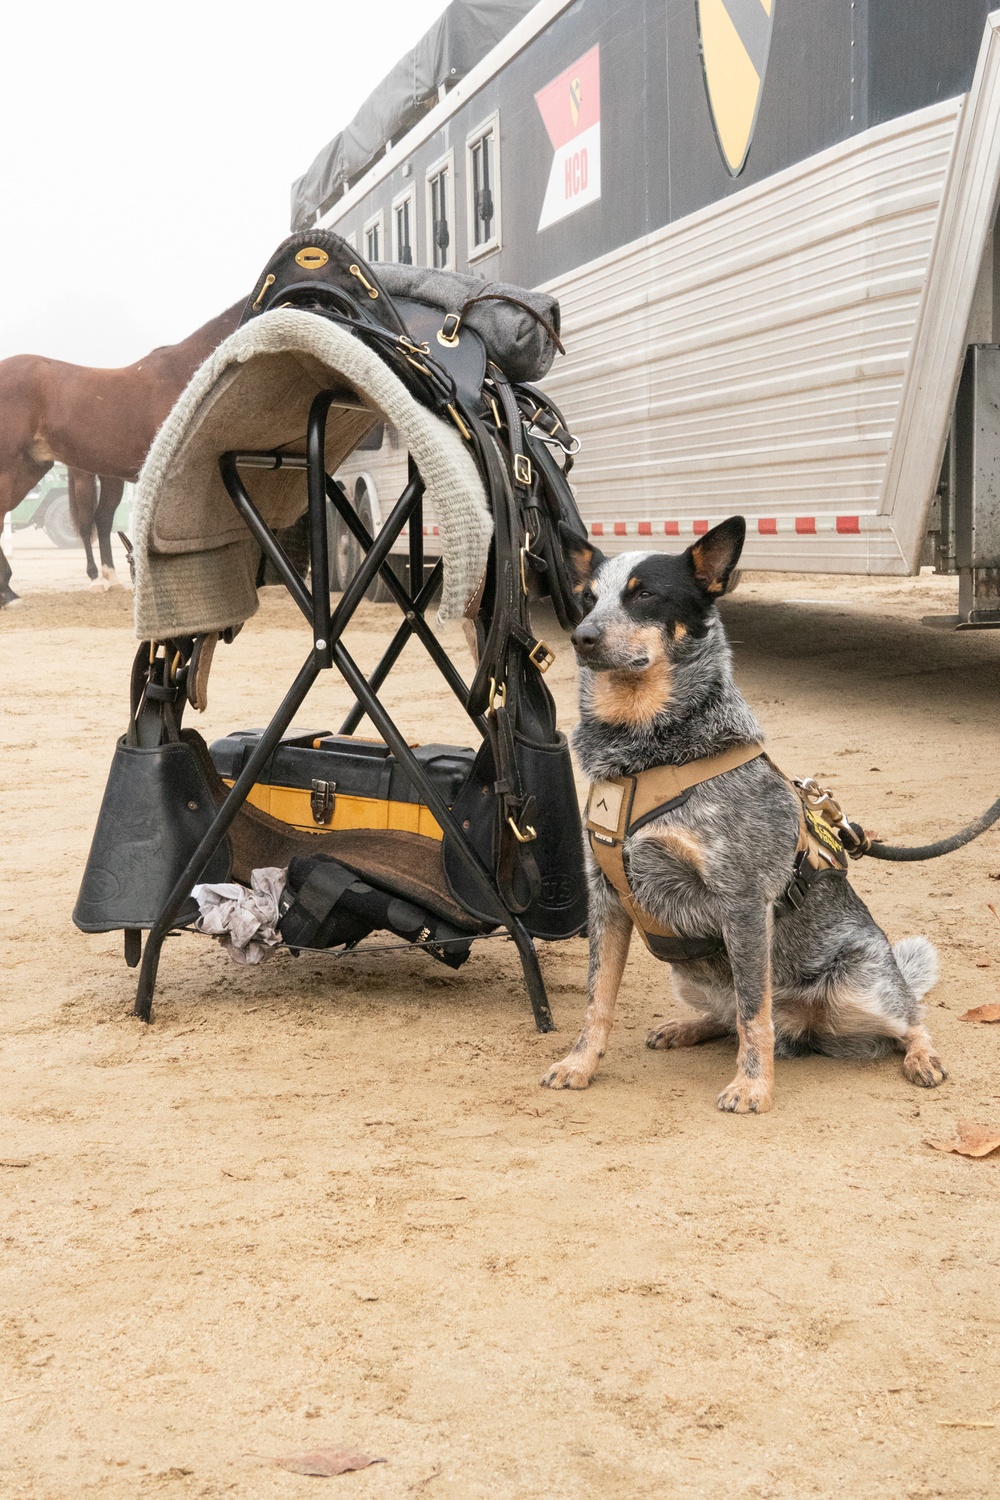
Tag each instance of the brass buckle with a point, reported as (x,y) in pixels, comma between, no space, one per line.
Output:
(522,468)
(408,343)
(497,692)
(448,332)
(525,549)
(542,656)
(522,838)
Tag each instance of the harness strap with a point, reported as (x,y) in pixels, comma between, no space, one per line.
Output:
(618,807)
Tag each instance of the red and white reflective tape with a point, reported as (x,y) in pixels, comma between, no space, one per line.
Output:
(764,525)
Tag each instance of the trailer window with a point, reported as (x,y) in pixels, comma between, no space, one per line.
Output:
(402,228)
(439,206)
(373,238)
(440,231)
(484,189)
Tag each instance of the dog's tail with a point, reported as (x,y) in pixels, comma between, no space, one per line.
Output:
(917,960)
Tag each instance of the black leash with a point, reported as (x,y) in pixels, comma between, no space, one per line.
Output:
(820,801)
(965,835)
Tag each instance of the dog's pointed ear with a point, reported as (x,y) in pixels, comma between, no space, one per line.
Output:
(582,557)
(714,555)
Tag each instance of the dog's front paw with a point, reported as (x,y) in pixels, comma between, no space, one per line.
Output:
(746,1096)
(571,1073)
(924,1068)
(690,1032)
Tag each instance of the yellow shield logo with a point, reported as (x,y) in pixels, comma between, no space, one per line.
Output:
(735,40)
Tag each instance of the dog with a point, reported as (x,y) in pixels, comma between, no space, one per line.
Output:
(656,689)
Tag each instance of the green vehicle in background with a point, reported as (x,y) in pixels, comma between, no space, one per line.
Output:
(47,507)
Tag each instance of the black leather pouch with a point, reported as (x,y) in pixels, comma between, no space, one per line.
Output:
(157,806)
(560,908)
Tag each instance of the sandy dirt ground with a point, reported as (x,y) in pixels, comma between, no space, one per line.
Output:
(326,1202)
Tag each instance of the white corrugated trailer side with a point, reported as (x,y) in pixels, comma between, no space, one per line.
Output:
(790,351)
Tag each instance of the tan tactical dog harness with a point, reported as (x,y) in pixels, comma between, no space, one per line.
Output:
(621,806)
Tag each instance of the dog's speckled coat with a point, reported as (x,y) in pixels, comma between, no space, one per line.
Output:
(656,688)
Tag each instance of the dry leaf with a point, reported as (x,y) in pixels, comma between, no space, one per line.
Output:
(993,909)
(982,1013)
(971,1140)
(323,1462)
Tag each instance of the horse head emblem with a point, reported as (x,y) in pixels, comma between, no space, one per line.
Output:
(735,42)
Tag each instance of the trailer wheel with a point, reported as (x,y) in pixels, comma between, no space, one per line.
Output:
(378,593)
(58,523)
(345,551)
(345,554)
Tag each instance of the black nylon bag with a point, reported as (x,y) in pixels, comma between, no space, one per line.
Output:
(157,806)
(325,905)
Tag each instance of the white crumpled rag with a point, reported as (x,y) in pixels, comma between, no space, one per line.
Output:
(245,922)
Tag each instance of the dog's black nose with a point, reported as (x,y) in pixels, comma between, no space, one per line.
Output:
(585,637)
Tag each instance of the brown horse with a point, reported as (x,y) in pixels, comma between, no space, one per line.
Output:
(94,421)
(93,500)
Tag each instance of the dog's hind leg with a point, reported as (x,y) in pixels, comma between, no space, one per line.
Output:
(917,962)
(748,941)
(921,1064)
(610,934)
(870,1005)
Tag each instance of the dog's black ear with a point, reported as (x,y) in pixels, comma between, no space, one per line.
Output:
(714,555)
(583,559)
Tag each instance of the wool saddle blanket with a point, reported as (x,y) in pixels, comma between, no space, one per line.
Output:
(196,563)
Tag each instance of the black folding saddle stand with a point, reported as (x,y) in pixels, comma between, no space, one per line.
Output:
(509,851)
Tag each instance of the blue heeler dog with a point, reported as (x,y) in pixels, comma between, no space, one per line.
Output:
(656,689)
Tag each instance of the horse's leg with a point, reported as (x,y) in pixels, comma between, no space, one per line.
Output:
(7,594)
(112,491)
(83,507)
(16,479)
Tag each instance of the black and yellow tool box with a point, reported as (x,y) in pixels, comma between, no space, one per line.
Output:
(320,781)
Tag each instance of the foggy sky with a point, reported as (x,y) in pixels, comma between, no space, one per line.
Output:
(147,152)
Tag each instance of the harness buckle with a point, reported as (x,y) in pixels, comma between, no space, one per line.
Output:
(522,469)
(527,837)
(497,693)
(448,332)
(541,656)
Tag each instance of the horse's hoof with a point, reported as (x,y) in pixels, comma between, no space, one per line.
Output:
(101,585)
(8,599)
(110,577)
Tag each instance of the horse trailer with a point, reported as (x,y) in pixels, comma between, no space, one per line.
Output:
(770,227)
